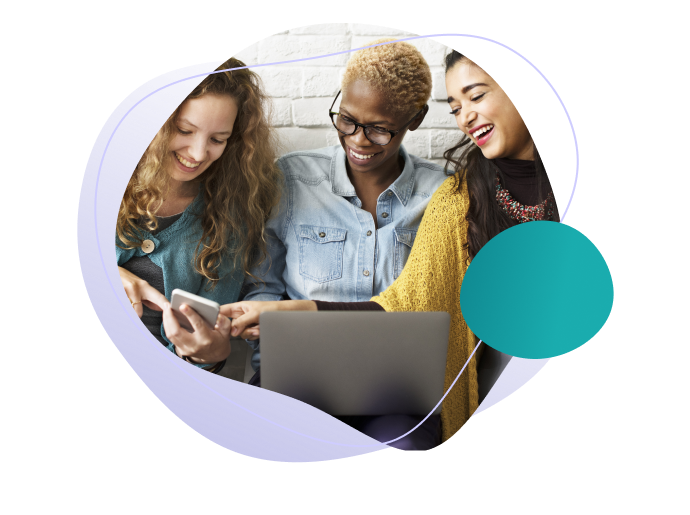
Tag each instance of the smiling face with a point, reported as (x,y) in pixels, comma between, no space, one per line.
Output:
(485,113)
(367,106)
(202,128)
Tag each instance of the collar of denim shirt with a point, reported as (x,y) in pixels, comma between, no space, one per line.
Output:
(402,186)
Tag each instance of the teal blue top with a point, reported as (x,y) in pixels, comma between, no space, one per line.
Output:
(174,252)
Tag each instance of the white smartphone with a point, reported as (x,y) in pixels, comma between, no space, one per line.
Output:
(207,309)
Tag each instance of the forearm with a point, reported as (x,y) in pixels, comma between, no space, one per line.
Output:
(297,305)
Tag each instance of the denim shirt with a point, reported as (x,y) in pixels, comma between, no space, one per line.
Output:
(324,246)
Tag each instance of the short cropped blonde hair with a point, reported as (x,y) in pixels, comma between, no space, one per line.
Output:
(397,69)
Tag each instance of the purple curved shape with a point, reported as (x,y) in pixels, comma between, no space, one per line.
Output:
(276,427)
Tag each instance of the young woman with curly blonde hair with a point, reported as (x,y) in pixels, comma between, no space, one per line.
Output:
(193,213)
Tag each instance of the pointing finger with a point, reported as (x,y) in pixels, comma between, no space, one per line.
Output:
(239,324)
(233,310)
(170,323)
(151,305)
(223,325)
(137,306)
(251,333)
(153,298)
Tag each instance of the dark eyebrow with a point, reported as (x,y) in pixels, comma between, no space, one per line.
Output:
(190,123)
(468,88)
(372,123)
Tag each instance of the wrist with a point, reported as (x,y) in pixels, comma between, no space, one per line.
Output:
(213,367)
(188,359)
(307,305)
(296,305)
(210,357)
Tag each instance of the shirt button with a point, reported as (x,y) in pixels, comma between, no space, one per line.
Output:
(384,215)
(147,246)
(366,273)
(390,193)
(368,233)
(322,235)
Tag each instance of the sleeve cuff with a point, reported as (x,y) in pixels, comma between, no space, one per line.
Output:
(348,306)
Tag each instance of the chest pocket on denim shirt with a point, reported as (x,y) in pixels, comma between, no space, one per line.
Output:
(404,239)
(321,252)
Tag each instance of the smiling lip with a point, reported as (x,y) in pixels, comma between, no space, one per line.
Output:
(475,129)
(183,167)
(485,137)
(358,160)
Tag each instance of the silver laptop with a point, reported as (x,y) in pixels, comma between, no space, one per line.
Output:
(356,362)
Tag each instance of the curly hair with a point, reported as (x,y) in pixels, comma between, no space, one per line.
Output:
(397,69)
(240,188)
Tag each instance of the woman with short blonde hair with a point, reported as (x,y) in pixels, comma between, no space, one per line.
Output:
(350,212)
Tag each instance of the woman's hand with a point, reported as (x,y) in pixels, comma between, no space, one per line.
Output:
(140,292)
(206,344)
(246,314)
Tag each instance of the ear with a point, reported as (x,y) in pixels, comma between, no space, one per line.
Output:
(418,121)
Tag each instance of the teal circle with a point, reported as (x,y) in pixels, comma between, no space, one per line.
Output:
(537,290)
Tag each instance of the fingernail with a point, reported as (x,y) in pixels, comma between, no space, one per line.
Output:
(183,307)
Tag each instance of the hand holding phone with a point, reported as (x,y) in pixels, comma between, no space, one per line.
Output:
(207,309)
(208,340)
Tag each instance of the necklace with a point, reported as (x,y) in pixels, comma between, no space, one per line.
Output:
(519,212)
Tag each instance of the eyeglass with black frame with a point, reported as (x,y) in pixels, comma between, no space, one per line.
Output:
(377,135)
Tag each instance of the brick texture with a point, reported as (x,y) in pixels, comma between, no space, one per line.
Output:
(442,140)
(302,92)
(324,29)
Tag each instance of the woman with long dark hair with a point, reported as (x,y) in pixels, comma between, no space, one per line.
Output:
(503,173)
(498,180)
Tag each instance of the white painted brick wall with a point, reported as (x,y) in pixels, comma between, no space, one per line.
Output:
(302,92)
(325,29)
(360,29)
(312,112)
(438,91)
(281,81)
(282,112)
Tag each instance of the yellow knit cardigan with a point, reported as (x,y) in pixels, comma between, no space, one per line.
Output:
(431,281)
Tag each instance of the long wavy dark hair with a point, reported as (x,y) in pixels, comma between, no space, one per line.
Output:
(466,161)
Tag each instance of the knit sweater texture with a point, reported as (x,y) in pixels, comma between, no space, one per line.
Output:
(174,250)
(431,281)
